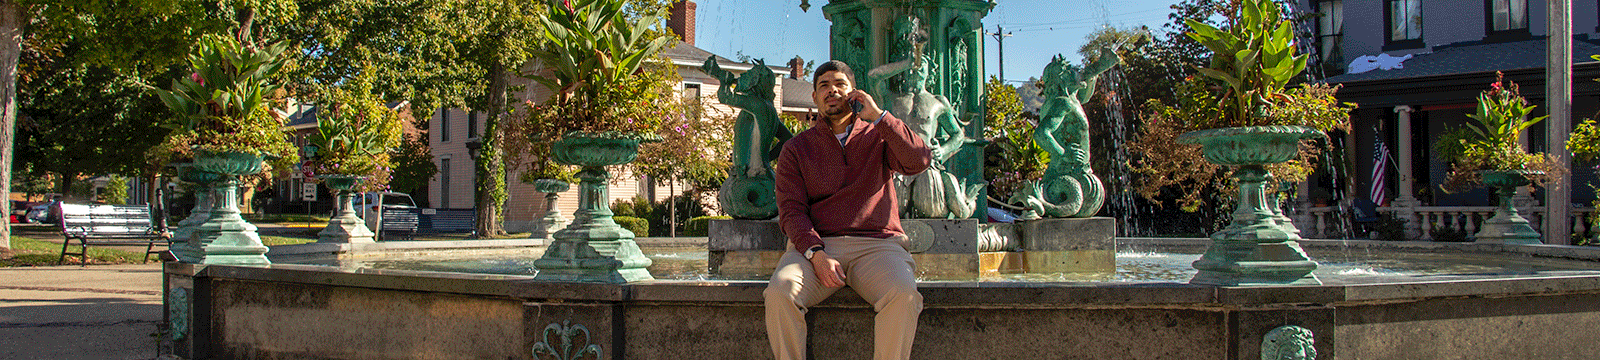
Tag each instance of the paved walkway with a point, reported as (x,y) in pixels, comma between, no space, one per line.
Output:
(73,312)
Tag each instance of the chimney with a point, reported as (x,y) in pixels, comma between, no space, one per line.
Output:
(681,20)
(797,68)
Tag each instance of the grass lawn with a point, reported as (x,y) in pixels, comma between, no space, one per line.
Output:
(271,240)
(285,218)
(33,252)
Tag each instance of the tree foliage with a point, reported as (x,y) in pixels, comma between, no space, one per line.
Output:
(1012,158)
(84,121)
(413,165)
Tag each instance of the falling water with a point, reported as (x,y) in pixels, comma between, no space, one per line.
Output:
(1119,194)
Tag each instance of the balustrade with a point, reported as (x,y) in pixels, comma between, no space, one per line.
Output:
(1330,222)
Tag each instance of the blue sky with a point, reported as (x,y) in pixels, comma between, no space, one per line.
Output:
(776,30)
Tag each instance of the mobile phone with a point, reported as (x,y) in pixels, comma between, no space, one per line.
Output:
(855,106)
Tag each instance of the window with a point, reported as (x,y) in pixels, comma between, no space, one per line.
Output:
(691,92)
(444,125)
(1405,24)
(1508,15)
(472,124)
(1506,20)
(444,183)
(1330,31)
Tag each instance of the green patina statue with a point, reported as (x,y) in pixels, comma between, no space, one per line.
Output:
(749,192)
(1069,187)
(934,193)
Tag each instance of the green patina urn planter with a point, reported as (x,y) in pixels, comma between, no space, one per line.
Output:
(344,227)
(1259,246)
(235,240)
(342,183)
(593,248)
(552,221)
(228,163)
(1507,226)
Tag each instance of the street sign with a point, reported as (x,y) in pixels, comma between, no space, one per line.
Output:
(308,192)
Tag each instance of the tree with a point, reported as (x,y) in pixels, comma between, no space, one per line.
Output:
(125,35)
(413,166)
(694,149)
(24,180)
(84,121)
(116,191)
(1012,158)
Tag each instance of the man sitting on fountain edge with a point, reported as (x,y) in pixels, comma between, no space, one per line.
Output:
(837,206)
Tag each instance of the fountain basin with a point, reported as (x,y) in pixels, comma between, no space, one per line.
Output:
(298,311)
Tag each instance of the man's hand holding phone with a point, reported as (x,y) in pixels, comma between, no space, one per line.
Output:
(863,106)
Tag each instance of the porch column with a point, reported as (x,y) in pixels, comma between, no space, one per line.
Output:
(1558,98)
(1405,204)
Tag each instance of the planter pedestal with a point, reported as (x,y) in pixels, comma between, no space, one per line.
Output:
(1507,226)
(187,240)
(236,241)
(345,227)
(552,221)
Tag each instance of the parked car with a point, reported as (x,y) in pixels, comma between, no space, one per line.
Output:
(40,213)
(19,211)
(370,206)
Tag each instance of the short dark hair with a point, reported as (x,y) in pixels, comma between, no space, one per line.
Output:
(833,65)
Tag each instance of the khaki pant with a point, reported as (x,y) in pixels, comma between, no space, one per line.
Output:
(879,269)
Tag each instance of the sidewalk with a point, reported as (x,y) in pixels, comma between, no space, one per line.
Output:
(73,312)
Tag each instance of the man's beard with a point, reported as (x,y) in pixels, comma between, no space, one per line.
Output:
(837,112)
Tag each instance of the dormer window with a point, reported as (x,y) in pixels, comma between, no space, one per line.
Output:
(1507,15)
(1405,24)
(1505,20)
(1330,30)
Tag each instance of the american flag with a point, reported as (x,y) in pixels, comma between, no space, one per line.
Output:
(1380,166)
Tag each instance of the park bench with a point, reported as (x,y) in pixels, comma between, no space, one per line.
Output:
(406,223)
(108,225)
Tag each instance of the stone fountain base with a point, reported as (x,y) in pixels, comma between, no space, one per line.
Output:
(300,311)
(960,249)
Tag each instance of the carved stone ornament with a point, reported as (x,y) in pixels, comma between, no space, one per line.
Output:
(566,341)
(1288,342)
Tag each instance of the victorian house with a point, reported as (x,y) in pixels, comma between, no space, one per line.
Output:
(1415,67)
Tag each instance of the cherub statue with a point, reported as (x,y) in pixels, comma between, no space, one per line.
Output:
(1069,185)
(934,193)
(749,192)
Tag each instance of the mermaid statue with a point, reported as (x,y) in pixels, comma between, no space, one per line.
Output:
(934,193)
(1069,187)
(750,192)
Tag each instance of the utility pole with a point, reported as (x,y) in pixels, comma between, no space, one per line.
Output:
(1558,101)
(1000,36)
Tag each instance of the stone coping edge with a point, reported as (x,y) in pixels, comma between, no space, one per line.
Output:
(389,246)
(936,294)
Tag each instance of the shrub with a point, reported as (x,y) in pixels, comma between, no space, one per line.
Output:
(638,207)
(689,206)
(638,226)
(1449,235)
(1391,228)
(700,225)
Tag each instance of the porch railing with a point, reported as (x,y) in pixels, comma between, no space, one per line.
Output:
(1427,222)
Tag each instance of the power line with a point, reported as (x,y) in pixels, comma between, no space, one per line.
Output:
(1091,20)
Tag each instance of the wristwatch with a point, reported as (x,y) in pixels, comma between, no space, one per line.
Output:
(812,251)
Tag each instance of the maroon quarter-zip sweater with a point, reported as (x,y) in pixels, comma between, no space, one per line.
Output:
(825,189)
